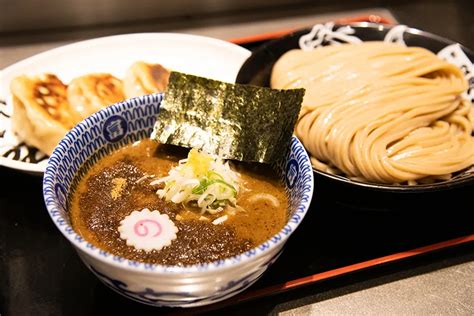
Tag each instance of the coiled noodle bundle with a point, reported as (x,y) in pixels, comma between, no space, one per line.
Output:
(380,112)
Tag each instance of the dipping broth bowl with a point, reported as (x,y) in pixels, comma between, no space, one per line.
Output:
(158,285)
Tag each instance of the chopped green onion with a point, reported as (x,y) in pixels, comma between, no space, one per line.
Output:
(202,179)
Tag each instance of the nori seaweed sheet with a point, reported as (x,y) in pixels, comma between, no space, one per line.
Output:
(233,121)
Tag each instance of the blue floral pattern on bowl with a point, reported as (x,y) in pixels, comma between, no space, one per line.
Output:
(158,285)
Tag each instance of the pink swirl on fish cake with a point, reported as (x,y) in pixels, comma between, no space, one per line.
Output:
(141,227)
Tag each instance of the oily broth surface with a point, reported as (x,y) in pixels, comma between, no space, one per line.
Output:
(116,186)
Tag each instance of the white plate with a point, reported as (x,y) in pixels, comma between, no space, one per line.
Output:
(198,55)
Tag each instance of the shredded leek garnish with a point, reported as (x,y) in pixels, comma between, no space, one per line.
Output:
(201,180)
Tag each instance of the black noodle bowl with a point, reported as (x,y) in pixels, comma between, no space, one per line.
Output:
(258,67)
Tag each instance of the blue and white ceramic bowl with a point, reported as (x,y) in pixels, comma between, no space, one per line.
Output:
(158,285)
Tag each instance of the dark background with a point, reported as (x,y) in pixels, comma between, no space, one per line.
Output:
(28,21)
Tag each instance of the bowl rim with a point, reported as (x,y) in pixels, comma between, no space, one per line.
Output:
(63,225)
(361,25)
(380,187)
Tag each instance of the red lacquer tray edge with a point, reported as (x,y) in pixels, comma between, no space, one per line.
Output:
(275,34)
(352,268)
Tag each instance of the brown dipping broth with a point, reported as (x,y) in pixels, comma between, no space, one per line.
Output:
(119,184)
